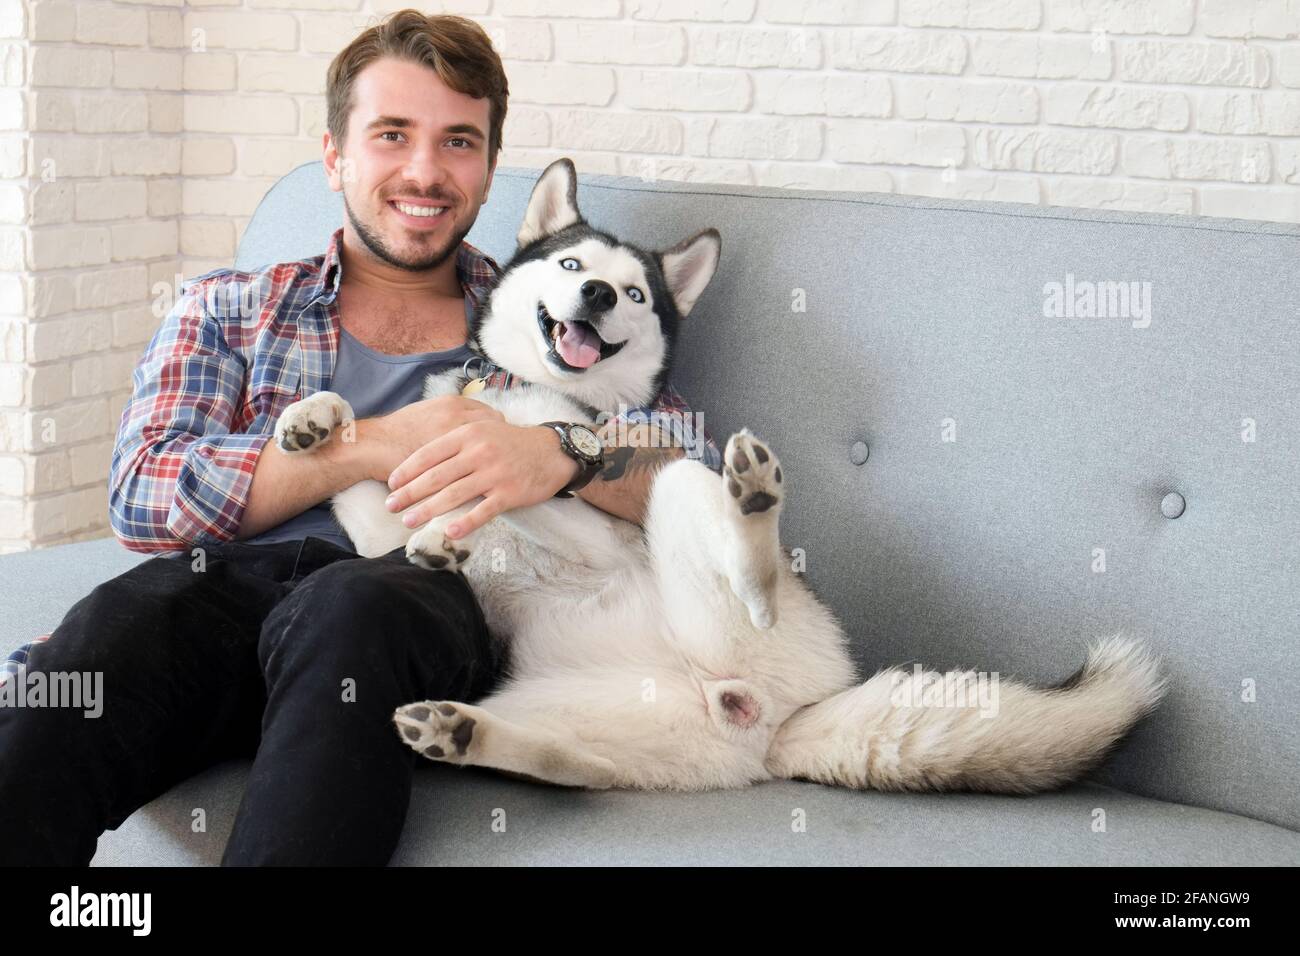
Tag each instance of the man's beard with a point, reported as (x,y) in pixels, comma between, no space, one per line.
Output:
(380,250)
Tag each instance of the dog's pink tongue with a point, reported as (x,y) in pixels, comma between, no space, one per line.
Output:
(578,344)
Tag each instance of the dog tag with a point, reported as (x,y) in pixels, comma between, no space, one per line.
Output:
(474,386)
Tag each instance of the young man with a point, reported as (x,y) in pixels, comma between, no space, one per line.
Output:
(257,630)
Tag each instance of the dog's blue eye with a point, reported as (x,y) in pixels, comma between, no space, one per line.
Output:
(570,264)
(635,294)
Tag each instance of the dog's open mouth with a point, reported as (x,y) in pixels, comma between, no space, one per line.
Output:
(573,345)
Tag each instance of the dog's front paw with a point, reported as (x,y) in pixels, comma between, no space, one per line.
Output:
(431,548)
(308,424)
(751,474)
(437,729)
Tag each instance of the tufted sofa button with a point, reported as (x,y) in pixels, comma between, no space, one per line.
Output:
(1173,505)
(858,453)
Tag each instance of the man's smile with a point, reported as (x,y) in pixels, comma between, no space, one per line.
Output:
(419,213)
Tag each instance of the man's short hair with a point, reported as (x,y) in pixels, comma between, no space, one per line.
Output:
(457,48)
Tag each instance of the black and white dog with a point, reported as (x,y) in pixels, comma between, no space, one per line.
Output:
(689,656)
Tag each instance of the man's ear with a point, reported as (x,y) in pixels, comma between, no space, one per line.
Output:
(332,160)
(554,203)
(688,267)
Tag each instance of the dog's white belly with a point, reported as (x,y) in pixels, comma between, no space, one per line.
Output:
(558,615)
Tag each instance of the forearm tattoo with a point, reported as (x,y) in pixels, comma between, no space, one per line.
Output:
(626,460)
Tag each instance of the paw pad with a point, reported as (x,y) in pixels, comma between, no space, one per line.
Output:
(435,730)
(752,474)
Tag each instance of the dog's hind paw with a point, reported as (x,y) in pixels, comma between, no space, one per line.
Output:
(752,493)
(752,474)
(437,729)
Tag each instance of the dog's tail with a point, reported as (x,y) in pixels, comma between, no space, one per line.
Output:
(966,731)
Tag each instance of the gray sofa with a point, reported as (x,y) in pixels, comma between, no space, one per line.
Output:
(973,482)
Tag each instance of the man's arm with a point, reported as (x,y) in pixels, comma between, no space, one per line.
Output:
(515,466)
(622,486)
(641,442)
(179,475)
(287,485)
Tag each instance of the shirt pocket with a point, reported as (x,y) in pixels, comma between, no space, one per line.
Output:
(269,394)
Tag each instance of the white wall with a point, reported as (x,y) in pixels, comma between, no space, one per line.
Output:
(137,137)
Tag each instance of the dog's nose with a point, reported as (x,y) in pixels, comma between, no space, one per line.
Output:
(598,296)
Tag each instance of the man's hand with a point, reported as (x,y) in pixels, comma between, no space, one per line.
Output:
(511,466)
(398,435)
(287,485)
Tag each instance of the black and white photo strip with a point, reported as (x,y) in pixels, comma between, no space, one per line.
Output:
(650,434)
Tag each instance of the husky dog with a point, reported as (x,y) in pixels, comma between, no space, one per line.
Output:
(687,656)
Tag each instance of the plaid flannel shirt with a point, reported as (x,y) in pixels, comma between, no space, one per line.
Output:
(234,351)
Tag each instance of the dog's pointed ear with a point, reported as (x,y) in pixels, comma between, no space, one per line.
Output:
(688,267)
(554,203)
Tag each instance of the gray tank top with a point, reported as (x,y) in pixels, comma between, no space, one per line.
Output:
(374,383)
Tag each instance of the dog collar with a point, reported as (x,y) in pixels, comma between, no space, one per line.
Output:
(479,382)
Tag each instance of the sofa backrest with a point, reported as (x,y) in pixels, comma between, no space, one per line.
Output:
(981,475)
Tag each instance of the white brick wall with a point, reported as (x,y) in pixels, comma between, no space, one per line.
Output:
(90,106)
(137,136)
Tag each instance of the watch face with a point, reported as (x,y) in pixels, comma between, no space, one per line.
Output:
(585,440)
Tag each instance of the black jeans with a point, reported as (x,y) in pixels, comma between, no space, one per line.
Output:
(295,652)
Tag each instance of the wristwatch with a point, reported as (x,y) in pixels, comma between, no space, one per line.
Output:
(582,445)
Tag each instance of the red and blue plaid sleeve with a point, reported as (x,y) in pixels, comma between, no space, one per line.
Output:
(670,412)
(179,475)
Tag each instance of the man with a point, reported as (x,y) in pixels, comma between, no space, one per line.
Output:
(258,630)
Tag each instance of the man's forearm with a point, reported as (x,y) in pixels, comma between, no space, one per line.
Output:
(287,485)
(623,485)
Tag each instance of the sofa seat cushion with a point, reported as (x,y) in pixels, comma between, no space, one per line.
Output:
(452,812)
(450,821)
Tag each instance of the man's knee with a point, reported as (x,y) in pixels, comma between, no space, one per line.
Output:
(367,607)
(369,592)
